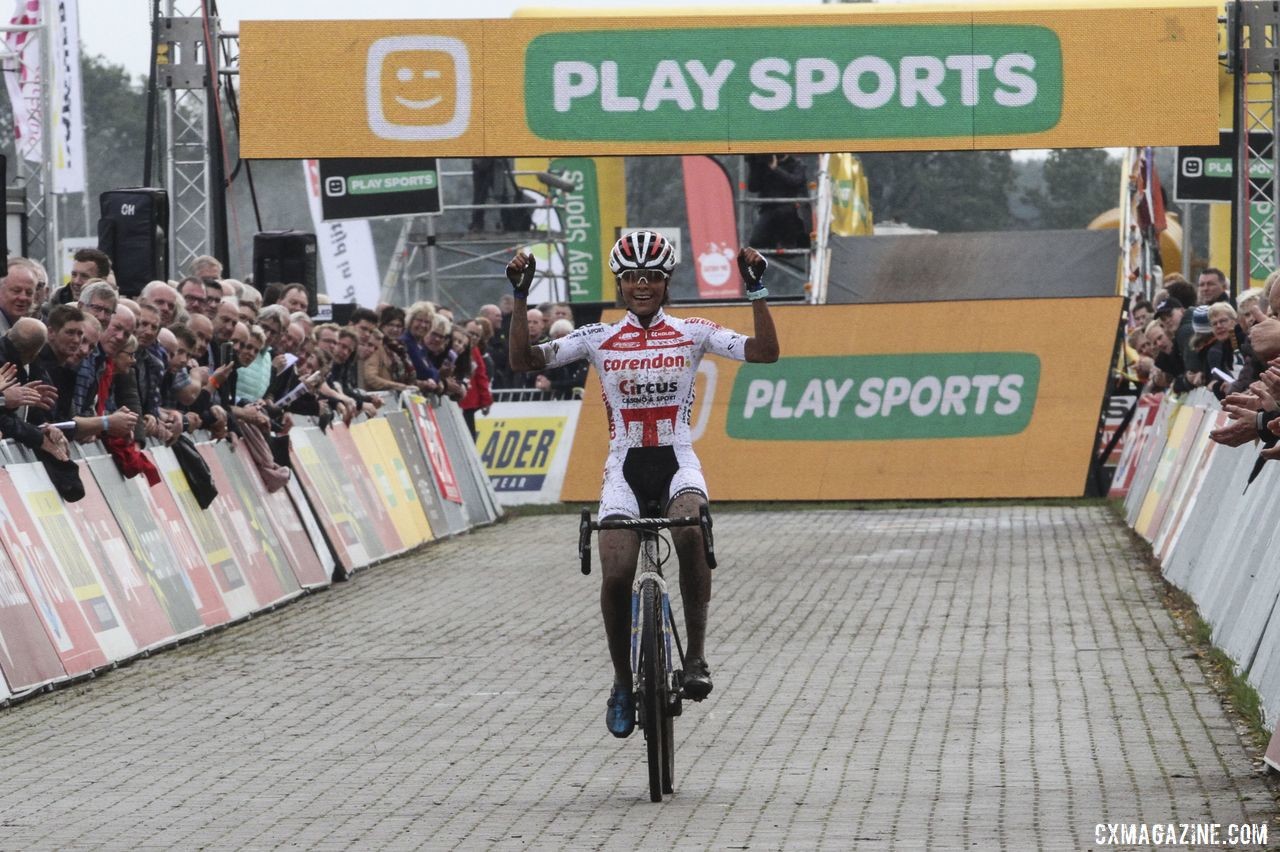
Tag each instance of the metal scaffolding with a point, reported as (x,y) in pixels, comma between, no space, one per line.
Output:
(189,67)
(425,263)
(183,78)
(796,264)
(32,61)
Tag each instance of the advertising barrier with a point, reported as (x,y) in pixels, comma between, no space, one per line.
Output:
(131,567)
(874,402)
(342,518)
(364,489)
(525,446)
(217,587)
(381,455)
(69,624)
(419,471)
(27,657)
(294,566)
(474,499)
(1132,442)
(460,444)
(424,421)
(154,598)
(307,532)
(843,78)
(71,555)
(1212,536)
(257,556)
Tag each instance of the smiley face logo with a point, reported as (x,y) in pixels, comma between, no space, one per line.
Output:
(418,88)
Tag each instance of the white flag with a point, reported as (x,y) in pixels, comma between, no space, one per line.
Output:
(346,250)
(22,79)
(68,151)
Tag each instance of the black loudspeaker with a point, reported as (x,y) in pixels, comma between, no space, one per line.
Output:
(285,257)
(341,312)
(134,232)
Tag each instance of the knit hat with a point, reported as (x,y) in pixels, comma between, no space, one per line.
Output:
(1200,320)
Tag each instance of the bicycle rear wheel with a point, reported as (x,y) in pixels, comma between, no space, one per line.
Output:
(653,671)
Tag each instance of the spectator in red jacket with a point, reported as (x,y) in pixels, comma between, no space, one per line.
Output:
(478,396)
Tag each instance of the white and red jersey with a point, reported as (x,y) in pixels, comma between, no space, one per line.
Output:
(647,374)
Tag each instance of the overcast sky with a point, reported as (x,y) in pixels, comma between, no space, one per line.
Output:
(120,29)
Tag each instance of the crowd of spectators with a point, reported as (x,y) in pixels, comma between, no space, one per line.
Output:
(1192,336)
(83,363)
(1198,336)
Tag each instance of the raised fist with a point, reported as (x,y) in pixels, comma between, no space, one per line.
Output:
(520,272)
(751,266)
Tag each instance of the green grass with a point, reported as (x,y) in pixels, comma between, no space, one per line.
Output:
(1243,697)
(1232,686)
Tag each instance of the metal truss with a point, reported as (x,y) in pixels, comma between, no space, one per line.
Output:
(188,71)
(441,267)
(1254,58)
(35,179)
(801,269)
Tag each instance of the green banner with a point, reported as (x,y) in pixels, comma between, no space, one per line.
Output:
(835,82)
(581,225)
(885,397)
(1262,239)
(391,182)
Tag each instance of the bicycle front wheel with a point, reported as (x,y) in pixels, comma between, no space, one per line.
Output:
(653,672)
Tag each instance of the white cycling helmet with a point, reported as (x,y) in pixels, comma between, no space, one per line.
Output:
(643,250)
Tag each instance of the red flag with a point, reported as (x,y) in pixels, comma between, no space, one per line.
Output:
(713,232)
(1151,207)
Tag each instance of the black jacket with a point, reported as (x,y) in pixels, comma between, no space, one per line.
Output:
(13,423)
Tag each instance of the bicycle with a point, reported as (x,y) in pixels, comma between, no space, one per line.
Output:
(658,685)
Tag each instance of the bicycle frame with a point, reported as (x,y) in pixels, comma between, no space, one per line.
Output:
(652,572)
(656,682)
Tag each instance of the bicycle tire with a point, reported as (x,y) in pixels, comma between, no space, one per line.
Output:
(669,697)
(653,676)
(668,750)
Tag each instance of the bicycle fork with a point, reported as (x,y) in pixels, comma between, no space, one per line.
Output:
(669,632)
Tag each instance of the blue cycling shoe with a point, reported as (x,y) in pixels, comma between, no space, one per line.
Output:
(620,718)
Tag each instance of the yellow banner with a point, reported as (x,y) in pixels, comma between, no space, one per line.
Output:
(379,450)
(517,452)
(875,402)
(839,78)
(850,198)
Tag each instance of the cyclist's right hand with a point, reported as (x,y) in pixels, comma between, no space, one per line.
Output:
(520,272)
(751,266)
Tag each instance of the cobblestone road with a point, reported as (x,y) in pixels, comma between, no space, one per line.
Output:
(978,678)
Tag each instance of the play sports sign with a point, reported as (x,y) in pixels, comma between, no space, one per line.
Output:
(862,77)
(981,399)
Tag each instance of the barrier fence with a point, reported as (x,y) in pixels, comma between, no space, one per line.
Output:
(1210,528)
(130,568)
